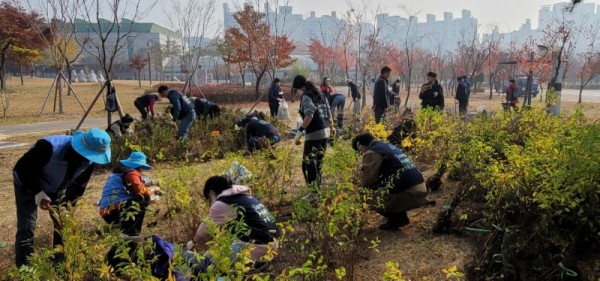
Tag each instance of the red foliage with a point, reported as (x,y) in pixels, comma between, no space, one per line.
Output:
(321,55)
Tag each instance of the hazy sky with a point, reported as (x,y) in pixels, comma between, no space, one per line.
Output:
(507,14)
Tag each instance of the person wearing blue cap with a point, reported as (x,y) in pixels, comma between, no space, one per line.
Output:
(55,171)
(125,195)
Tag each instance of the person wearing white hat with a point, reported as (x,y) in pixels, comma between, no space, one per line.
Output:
(55,171)
(125,195)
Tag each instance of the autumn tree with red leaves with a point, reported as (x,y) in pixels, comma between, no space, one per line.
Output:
(138,63)
(18,38)
(321,55)
(253,44)
(590,61)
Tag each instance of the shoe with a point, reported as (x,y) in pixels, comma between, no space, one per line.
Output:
(394,226)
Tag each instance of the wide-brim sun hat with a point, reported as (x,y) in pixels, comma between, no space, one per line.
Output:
(136,160)
(94,145)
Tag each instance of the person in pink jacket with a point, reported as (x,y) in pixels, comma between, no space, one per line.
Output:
(234,204)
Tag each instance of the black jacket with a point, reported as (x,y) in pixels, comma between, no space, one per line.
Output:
(354,91)
(430,99)
(381,98)
(462,93)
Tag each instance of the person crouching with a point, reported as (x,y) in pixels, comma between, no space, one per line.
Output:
(387,169)
(257,130)
(125,195)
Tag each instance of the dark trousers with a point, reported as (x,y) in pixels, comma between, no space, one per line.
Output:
(379,114)
(130,225)
(463,106)
(274,108)
(142,109)
(312,160)
(26,223)
(400,218)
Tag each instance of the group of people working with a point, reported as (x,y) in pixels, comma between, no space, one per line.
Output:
(56,171)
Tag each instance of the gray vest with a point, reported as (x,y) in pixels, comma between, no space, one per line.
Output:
(52,180)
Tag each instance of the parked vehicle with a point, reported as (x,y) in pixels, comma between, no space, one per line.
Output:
(522,86)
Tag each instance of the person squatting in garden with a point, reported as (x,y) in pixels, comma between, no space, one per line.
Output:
(316,122)
(432,93)
(336,101)
(121,127)
(355,94)
(54,172)
(395,95)
(233,207)
(462,96)
(125,195)
(145,104)
(206,109)
(258,131)
(381,96)
(399,184)
(275,96)
(182,109)
(511,94)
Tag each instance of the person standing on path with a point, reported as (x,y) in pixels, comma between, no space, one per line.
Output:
(336,101)
(275,95)
(395,98)
(381,97)
(182,109)
(316,122)
(54,172)
(462,95)
(356,97)
(145,104)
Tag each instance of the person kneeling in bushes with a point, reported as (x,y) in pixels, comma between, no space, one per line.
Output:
(206,108)
(257,130)
(125,196)
(121,127)
(387,169)
(233,207)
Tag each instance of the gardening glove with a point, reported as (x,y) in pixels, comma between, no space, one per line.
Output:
(42,200)
(190,245)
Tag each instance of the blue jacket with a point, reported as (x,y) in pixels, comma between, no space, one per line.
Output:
(182,106)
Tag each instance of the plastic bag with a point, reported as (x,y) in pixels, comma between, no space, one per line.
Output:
(238,173)
(283,113)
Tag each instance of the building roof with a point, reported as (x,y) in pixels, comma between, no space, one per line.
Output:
(140,27)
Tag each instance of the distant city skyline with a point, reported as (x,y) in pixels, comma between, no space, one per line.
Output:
(508,15)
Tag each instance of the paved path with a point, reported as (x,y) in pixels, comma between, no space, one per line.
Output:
(44,127)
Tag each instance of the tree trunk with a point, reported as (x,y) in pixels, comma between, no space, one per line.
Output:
(242,72)
(257,87)
(69,74)
(408,84)
(60,96)
(580,93)
(139,77)
(21,74)
(491,86)
(3,70)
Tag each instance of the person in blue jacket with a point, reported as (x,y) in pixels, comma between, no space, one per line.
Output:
(54,172)
(182,109)
(257,129)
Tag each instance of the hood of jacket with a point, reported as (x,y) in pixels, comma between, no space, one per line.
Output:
(235,190)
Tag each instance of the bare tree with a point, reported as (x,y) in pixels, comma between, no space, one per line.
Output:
(590,60)
(195,22)
(107,31)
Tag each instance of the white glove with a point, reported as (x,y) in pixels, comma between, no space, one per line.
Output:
(41,197)
(190,245)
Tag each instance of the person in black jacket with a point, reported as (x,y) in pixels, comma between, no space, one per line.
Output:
(381,97)
(275,95)
(400,184)
(462,95)
(355,93)
(257,129)
(121,127)
(206,109)
(395,95)
(54,172)
(182,109)
(432,93)
(145,104)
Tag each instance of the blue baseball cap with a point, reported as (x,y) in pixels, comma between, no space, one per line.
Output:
(94,145)
(136,160)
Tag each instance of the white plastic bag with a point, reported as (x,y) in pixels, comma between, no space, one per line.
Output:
(283,113)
